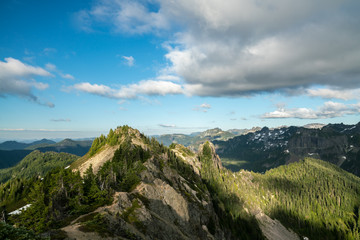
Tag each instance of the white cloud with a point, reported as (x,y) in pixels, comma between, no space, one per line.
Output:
(39,85)
(53,68)
(67,76)
(16,78)
(129,60)
(244,47)
(203,107)
(168,78)
(95,89)
(328,110)
(344,94)
(146,87)
(152,87)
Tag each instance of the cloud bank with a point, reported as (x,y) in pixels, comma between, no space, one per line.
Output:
(328,110)
(132,91)
(245,47)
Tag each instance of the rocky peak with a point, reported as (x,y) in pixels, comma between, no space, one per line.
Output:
(207,150)
(103,148)
(169,201)
(211,132)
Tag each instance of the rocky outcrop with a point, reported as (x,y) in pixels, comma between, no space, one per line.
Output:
(215,158)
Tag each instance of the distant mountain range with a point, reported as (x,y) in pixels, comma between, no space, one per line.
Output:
(12,152)
(260,149)
(194,140)
(14,145)
(269,148)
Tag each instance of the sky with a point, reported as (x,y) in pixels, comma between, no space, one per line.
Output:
(78,68)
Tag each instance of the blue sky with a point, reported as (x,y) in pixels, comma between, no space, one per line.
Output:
(78,68)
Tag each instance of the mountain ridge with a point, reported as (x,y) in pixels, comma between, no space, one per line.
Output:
(269,148)
(149,191)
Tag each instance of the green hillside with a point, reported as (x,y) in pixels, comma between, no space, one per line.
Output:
(16,182)
(36,164)
(9,158)
(314,198)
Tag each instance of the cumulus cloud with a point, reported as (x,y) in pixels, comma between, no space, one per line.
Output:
(222,56)
(17,78)
(51,67)
(328,110)
(168,78)
(245,47)
(344,94)
(129,60)
(203,107)
(146,87)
